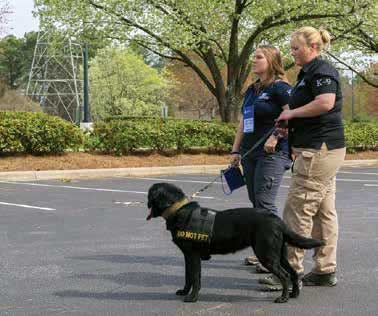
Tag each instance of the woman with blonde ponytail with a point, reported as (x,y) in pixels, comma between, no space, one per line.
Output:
(316,139)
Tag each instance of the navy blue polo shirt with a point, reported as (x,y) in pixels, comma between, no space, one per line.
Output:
(315,78)
(267,105)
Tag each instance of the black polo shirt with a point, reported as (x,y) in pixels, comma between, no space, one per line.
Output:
(315,78)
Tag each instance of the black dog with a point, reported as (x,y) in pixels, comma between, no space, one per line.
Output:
(231,230)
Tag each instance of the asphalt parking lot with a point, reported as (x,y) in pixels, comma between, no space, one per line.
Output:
(84,248)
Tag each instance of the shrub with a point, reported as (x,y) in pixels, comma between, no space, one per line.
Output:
(37,133)
(361,136)
(127,135)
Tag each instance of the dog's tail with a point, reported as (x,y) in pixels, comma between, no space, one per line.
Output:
(296,240)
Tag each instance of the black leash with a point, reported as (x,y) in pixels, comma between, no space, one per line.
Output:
(265,136)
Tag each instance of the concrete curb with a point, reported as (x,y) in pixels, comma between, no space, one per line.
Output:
(134,172)
(108,173)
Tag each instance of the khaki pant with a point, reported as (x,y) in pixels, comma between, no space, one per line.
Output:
(310,205)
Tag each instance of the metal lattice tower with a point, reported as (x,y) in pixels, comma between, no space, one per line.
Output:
(53,78)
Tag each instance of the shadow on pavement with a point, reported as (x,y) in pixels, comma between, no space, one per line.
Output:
(213,263)
(151,279)
(149,296)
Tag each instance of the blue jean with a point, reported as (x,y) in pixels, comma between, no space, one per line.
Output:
(263,175)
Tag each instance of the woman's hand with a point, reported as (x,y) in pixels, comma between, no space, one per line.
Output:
(270,144)
(285,115)
(235,160)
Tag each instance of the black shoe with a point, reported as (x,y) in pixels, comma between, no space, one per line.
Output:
(315,279)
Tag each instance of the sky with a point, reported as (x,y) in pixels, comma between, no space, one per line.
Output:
(21,19)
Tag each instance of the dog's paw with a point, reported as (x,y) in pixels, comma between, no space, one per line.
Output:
(296,290)
(182,292)
(205,257)
(281,299)
(191,298)
(294,294)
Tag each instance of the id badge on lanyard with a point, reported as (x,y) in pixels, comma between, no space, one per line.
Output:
(248,119)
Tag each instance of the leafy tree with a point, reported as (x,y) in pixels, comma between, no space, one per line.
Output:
(11,60)
(371,106)
(360,100)
(222,33)
(363,35)
(150,58)
(16,55)
(28,45)
(191,97)
(122,84)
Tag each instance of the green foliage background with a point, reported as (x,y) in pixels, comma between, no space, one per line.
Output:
(222,34)
(126,136)
(39,133)
(122,84)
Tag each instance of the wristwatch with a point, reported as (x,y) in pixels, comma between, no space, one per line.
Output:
(276,134)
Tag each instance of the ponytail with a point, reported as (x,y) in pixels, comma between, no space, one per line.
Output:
(310,35)
(326,38)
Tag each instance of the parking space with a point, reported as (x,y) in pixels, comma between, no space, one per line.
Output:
(83,247)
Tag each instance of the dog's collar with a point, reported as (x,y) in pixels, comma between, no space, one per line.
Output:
(174,207)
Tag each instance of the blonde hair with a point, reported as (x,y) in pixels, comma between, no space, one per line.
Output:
(310,35)
(275,66)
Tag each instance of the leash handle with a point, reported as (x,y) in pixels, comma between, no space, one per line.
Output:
(245,155)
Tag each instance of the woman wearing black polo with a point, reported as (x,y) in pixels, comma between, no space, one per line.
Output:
(316,138)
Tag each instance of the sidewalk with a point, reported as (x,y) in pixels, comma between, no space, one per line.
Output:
(134,172)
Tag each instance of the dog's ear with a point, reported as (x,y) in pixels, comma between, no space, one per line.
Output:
(161,196)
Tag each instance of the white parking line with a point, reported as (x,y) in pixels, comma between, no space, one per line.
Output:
(161,179)
(111,190)
(365,173)
(205,197)
(73,187)
(29,206)
(172,180)
(205,182)
(129,203)
(348,180)
(371,185)
(355,180)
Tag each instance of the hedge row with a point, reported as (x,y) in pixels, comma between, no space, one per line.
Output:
(37,133)
(361,136)
(123,137)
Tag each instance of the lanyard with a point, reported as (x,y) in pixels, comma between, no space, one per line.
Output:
(249,112)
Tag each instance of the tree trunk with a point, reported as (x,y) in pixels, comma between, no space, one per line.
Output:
(233,101)
(222,105)
(234,106)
